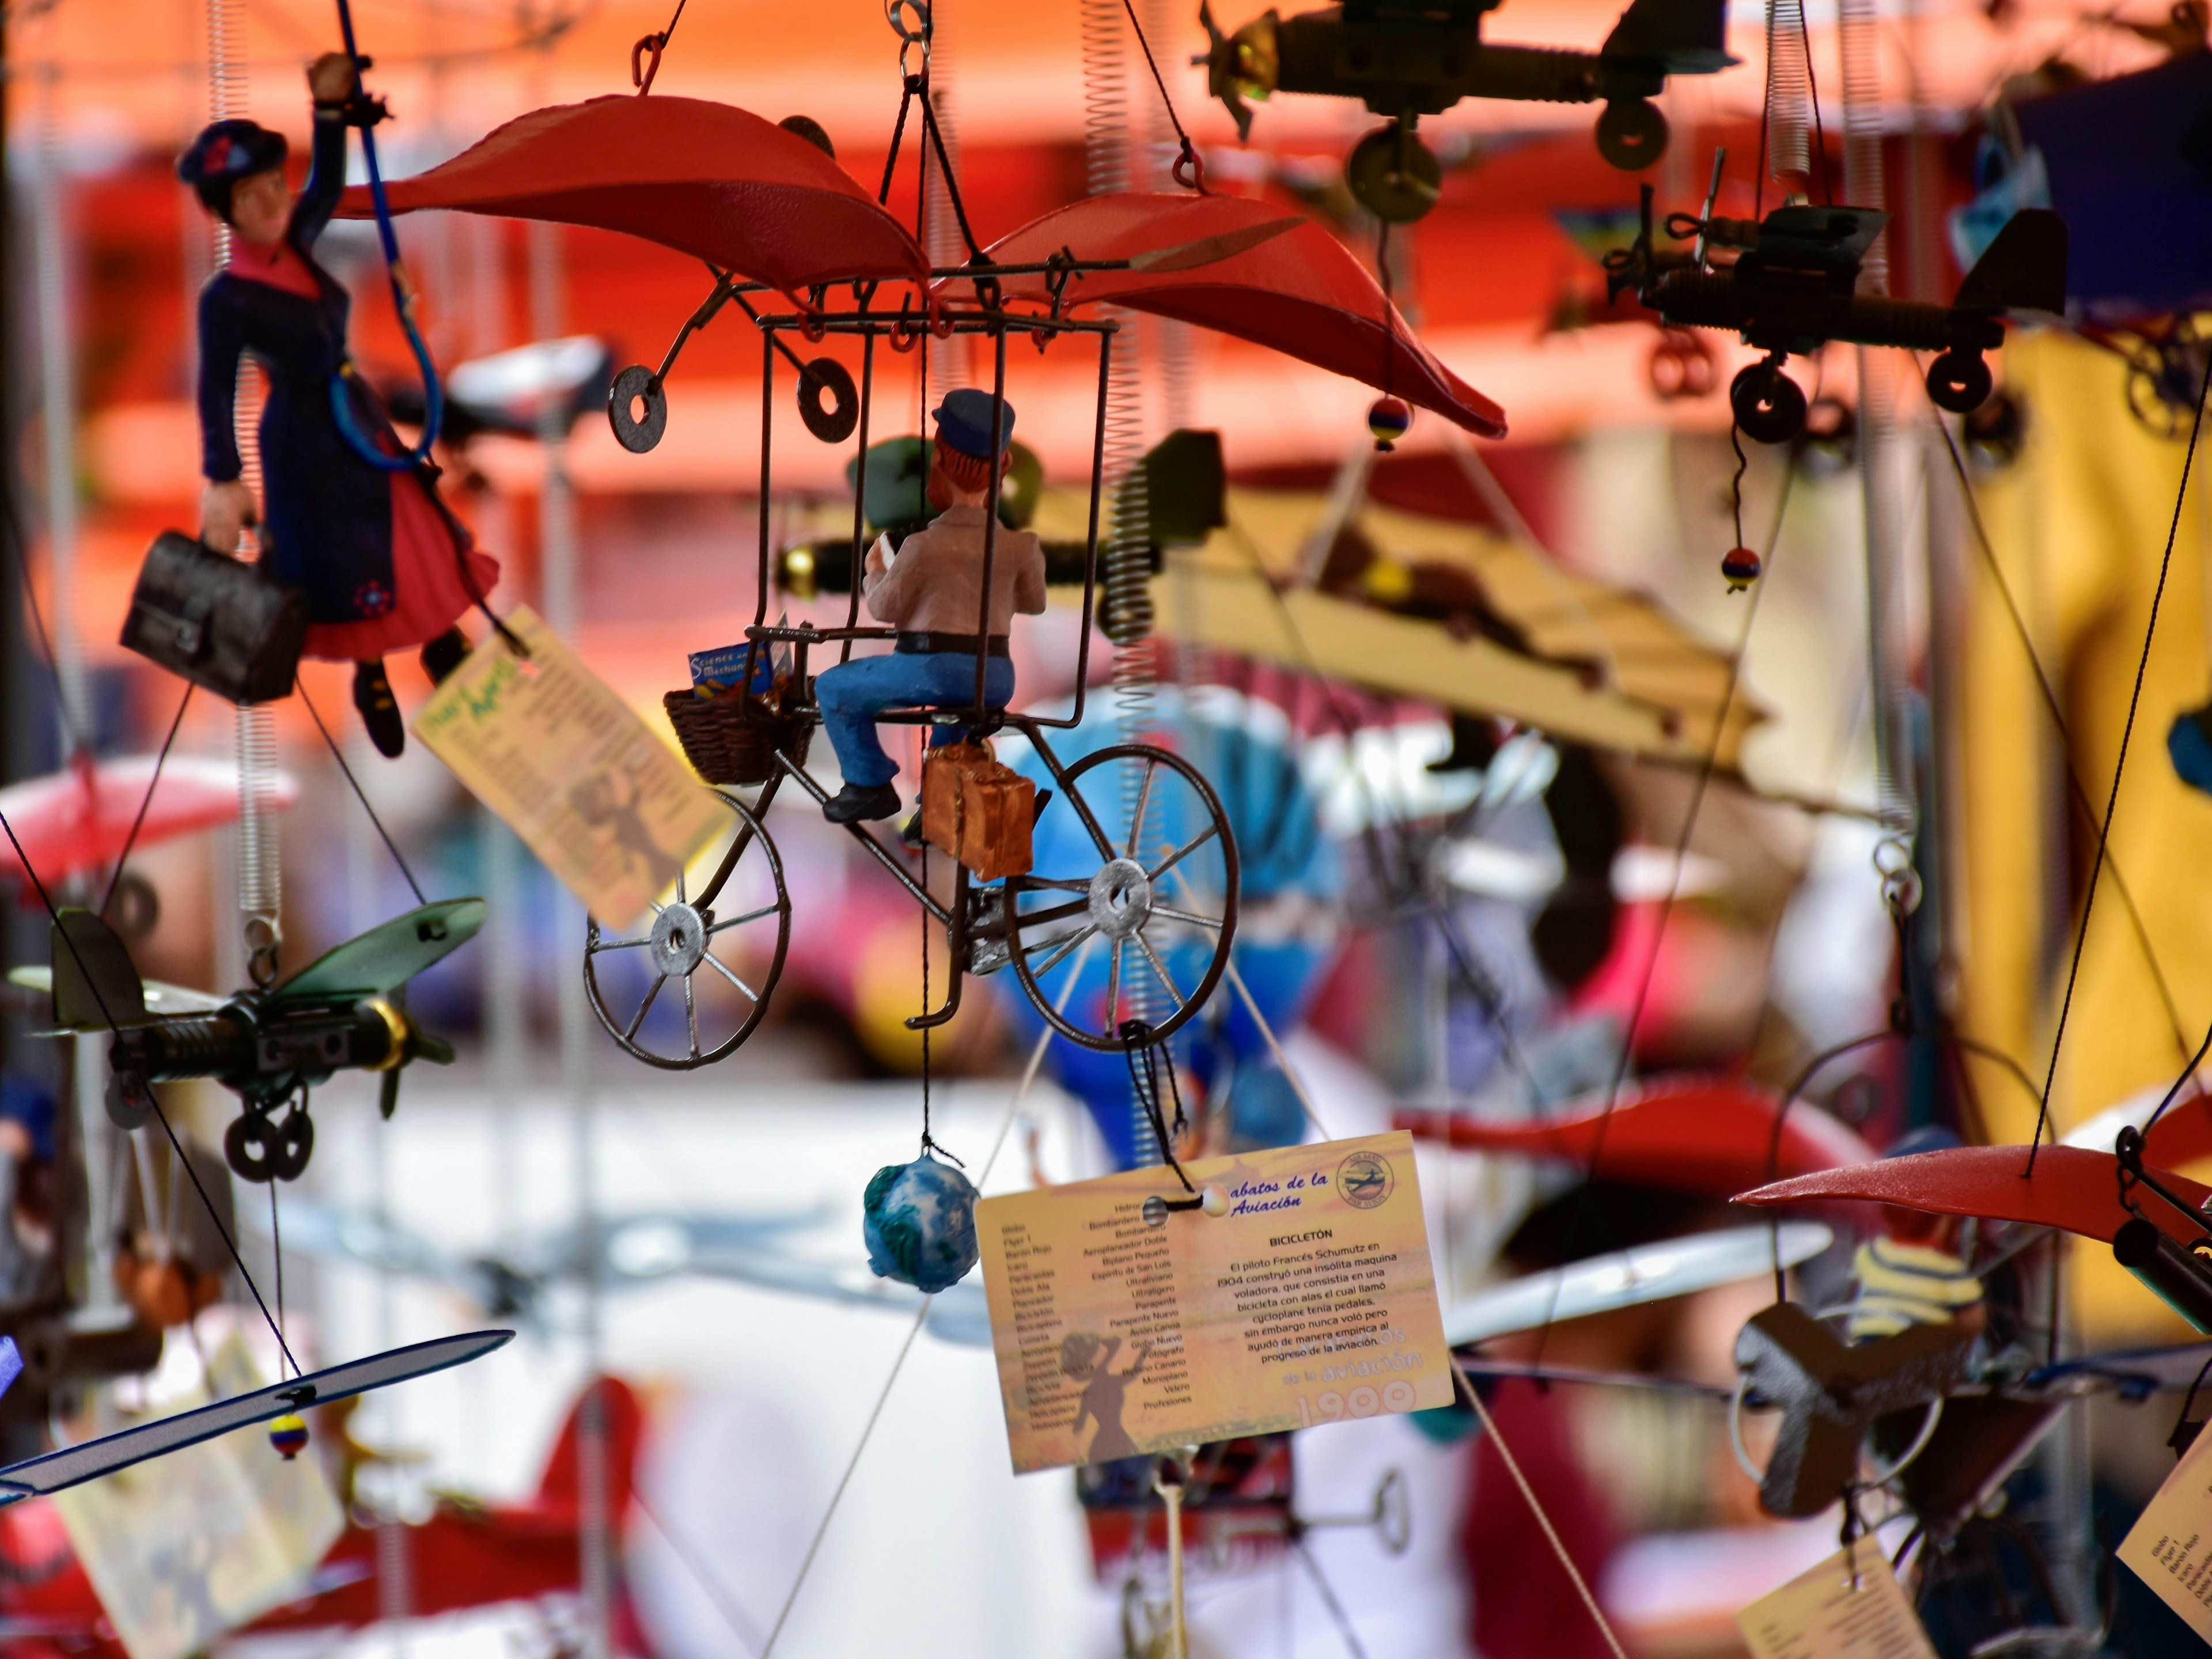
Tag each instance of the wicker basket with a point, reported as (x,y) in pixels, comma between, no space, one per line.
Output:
(727,742)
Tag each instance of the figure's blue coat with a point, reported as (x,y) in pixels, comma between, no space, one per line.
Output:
(327,526)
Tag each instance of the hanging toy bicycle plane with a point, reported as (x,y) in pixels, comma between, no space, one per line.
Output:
(767,208)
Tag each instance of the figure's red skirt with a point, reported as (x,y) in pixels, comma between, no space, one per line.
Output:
(429,594)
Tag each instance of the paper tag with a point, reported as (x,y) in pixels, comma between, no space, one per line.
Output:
(2170,1546)
(1311,1301)
(550,749)
(1849,1607)
(185,1548)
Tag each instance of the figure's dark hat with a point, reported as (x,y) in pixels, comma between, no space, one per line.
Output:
(227,151)
(963,423)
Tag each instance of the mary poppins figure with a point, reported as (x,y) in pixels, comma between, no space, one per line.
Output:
(384,563)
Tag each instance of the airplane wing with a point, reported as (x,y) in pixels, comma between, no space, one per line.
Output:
(386,956)
(162,1001)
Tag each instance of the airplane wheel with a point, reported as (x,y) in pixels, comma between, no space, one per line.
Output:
(1769,406)
(722,898)
(1959,381)
(637,409)
(1631,133)
(1394,175)
(1165,875)
(261,1151)
(136,910)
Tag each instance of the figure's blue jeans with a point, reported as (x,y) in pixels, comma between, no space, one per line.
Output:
(852,694)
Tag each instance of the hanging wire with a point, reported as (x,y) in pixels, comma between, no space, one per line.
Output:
(176,1146)
(338,755)
(2075,787)
(1187,159)
(146,802)
(655,44)
(2119,769)
(21,546)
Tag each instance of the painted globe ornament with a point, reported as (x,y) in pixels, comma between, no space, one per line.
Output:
(2189,745)
(919,1220)
(1389,419)
(289,1434)
(1741,568)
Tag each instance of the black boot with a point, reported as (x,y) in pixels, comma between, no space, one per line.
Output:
(444,654)
(855,802)
(379,710)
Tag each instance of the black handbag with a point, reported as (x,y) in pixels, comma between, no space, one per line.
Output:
(220,623)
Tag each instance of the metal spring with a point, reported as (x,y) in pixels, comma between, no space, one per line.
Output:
(1788,80)
(1105,98)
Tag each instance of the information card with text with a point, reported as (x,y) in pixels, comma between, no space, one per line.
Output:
(1311,1300)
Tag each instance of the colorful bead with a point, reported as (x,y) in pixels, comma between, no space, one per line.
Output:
(289,1434)
(1741,568)
(1389,419)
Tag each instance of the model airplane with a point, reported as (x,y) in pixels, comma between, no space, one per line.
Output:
(343,1011)
(1793,288)
(1404,61)
(464,1554)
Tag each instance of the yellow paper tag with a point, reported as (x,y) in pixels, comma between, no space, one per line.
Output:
(1849,1607)
(1311,1301)
(188,1547)
(571,769)
(2170,1546)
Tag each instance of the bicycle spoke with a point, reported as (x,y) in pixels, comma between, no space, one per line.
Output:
(1031,883)
(1114,991)
(1057,913)
(1186,850)
(691,1015)
(652,991)
(1161,968)
(1190,917)
(740,921)
(714,962)
(1074,799)
(679,884)
(1144,805)
(619,944)
(1056,951)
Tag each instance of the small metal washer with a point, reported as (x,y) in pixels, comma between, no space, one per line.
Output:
(679,941)
(1120,898)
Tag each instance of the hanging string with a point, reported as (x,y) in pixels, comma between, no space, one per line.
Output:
(2119,769)
(929,1144)
(1707,765)
(2078,789)
(19,545)
(176,1146)
(338,755)
(1007,1123)
(1328,1592)
(152,783)
(1188,160)
(1141,1055)
(276,1249)
(1813,97)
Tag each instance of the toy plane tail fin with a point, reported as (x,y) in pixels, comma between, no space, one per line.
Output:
(95,983)
(1687,37)
(624,1421)
(2024,269)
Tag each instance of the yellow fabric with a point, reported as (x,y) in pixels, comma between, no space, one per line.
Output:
(2079,526)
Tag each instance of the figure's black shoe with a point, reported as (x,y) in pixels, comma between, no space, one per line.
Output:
(910,832)
(854,803)
(380,709)
(444,654)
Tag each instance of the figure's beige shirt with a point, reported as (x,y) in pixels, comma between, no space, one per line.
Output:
(934,585)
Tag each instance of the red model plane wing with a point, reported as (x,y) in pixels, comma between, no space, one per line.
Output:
(1694,1133)
(1229,263)
(706,179)
(79,820)
(2072,1189)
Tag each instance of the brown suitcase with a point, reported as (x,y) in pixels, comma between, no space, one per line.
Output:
(978,811)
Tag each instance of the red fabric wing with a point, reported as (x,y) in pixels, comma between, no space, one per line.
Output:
(1301,293)
(705,178)
(1696,1133)
(71,821)
(2072,1189)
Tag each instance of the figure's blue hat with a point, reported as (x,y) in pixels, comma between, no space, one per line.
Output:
(227,151)
(963,423)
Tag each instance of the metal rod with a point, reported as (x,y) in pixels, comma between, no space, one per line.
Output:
(990,520)
(859,487)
